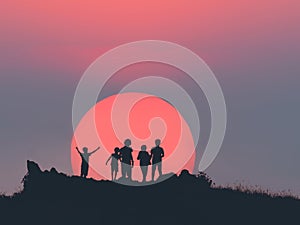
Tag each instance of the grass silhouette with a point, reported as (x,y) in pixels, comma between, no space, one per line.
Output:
(50,197)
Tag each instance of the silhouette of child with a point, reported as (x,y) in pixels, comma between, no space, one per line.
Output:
(85,156)
(144,158)
(126,159)
(114,163)
(157,153)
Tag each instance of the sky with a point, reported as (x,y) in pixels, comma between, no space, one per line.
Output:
(252,46)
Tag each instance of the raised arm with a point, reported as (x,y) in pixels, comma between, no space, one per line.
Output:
(108,160)
(95,150)
(78,150)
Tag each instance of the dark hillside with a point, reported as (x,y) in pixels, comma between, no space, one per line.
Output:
(50,197)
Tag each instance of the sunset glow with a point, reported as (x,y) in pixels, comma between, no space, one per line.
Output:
(140,117)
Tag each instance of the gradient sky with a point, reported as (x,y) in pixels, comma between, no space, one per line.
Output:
(251,45)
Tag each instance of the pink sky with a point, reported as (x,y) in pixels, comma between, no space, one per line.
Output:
(75,33)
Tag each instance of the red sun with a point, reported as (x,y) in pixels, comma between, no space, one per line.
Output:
(141,118)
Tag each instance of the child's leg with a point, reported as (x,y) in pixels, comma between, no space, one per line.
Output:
(115,177)
(146,171)
(112,173)
(123,170)
(129,171)
(142,172)
(86,170)
(82,170)
(153,171)
(159,168)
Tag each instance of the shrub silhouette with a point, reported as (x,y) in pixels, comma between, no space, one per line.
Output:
(50,197)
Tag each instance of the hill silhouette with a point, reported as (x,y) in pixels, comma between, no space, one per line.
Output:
(50,197)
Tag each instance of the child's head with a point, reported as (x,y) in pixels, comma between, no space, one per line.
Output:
(116,150)
(143,147)
(157,142)
(127,142)
(85,149)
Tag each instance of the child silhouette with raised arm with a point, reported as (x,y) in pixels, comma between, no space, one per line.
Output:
(85,160)
(114,165)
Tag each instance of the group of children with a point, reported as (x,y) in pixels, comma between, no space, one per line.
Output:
(124,155)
